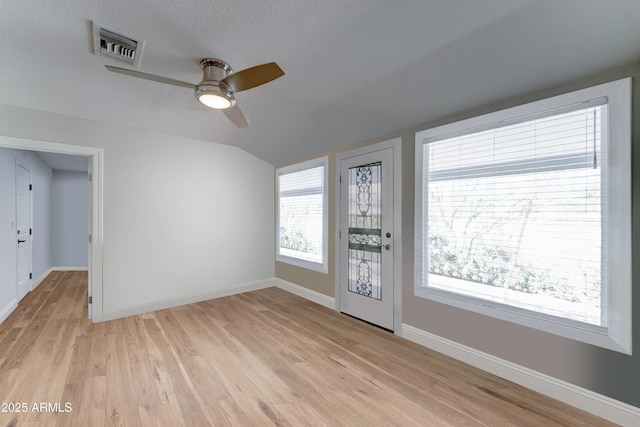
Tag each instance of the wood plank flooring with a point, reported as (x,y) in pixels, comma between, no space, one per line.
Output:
(264,358)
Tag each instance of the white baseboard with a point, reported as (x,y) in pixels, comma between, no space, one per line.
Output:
(587,400)
(44,275)
(40,279)
(161,305)
(8,309)
(69,269)
(305,293)
(232,290)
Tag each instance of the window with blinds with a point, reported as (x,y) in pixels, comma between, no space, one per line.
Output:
(515,214)
(302,214)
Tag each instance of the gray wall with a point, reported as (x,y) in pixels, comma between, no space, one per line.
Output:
(603,371)
(70,219)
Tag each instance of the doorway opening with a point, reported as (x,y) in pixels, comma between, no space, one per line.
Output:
(94,161)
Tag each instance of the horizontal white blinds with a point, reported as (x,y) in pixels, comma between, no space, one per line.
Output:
(300,199)
(514,214)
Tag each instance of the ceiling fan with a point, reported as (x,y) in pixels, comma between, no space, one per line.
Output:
(218,85)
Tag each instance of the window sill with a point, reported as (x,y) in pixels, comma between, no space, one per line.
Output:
(309,265)
(578,331)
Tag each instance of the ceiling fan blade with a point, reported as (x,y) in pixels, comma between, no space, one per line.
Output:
(152,77)
(235,115)
(252,77)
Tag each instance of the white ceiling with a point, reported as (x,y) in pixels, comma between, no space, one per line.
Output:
(355,69)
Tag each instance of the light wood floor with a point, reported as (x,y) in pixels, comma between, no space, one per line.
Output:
(261,358)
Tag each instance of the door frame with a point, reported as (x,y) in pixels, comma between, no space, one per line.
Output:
(396,145)
(96,167)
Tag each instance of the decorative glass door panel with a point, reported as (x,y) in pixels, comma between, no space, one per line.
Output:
(365,230)
(366,236)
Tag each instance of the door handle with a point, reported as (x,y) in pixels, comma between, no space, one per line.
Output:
(21,241)
(387,246)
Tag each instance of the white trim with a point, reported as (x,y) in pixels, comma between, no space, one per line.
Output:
(618,335)
(8,309)
(396,145)
(161,305)
(96,225)
(96,161)
(298,290)
(44,275)
(581,398)
(69,269)
(40,279)
(302,263)
(323,162)
(305,293)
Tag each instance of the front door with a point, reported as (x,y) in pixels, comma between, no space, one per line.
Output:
(366,236)
(24,233)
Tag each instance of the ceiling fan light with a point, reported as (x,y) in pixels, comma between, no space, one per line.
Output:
(216,101)
(214,95)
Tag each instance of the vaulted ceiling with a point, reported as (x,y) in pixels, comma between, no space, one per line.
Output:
(355,69)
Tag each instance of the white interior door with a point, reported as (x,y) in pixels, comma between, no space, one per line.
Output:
(24,231)
(366,237)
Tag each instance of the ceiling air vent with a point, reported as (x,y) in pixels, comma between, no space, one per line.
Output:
(117,45)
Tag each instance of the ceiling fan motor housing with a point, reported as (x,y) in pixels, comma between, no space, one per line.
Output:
(214,71)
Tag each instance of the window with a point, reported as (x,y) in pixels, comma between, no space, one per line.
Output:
(525,215)
(302,214)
